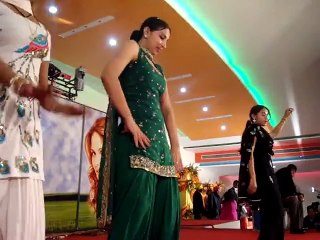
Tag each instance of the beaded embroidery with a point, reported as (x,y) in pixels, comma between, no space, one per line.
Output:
(142,162)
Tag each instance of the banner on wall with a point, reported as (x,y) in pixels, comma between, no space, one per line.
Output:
(62,150)
(62,144)
(64,155)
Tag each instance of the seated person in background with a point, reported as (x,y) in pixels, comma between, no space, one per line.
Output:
(229,203)
(291,198)
(315,206)
(310,220)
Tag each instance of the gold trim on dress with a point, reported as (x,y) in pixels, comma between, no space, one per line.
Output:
(142,162)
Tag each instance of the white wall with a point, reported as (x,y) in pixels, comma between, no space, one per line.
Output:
(92,98)
(211,174)
(188,157)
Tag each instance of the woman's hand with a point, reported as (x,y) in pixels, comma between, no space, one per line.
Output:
(140,139)
(252,188)
(288,112)
(175,152)
(48,101)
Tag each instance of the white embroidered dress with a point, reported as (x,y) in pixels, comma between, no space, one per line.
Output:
(23,45)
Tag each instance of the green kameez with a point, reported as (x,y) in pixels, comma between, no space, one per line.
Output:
(138,189)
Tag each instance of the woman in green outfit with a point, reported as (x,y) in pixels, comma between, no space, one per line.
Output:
(138,188)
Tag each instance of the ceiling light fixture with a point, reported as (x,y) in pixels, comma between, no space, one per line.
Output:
(223,127)
(87,26)
(112,42)
(53,9)
(183,90)
(205,109)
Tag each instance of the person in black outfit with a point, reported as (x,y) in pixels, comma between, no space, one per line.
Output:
(198,207)
(257,179)
(232,193)
(291,198)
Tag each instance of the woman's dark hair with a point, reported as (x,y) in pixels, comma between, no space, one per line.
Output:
(153,23)
(255,110)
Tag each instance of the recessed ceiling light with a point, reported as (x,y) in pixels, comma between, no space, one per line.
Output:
(112,42)
(183,90)
(53,9)
(223,127)
(205,109)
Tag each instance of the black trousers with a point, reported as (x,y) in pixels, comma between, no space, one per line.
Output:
(271,211)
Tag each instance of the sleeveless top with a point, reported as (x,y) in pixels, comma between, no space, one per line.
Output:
(143,85)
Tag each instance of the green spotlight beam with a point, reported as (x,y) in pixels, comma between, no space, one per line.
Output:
(189,10)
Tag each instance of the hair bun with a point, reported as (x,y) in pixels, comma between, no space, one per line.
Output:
(136,35)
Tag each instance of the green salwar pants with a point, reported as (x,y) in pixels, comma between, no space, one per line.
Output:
(145,206)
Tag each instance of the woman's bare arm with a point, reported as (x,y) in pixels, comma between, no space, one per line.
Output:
(170,122)
(110,79)
(277,129)
(253,180)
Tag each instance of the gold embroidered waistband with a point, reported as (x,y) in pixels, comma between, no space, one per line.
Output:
(142,162)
